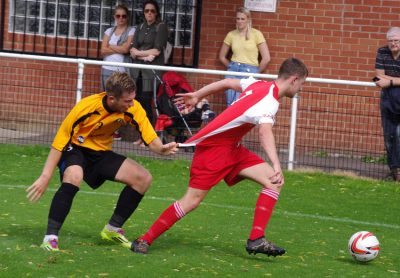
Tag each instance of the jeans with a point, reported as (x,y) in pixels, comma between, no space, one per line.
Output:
(391,136)
(230,94)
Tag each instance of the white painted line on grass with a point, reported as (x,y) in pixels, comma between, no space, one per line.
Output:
(295,214)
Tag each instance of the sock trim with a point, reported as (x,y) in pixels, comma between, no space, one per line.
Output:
(179,211)
(271,193)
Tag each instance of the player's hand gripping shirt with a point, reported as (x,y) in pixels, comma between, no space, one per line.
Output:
(91,124)
(257,104)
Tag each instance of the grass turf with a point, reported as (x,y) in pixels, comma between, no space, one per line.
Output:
(314,218)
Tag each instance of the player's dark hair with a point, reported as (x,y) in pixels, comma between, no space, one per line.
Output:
(118,83)
(292,66)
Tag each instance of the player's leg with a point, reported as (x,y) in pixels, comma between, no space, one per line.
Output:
(137,180)
(169,217)
(61,206)
(266,201)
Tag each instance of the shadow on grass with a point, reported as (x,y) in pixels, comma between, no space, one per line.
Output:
(351,261)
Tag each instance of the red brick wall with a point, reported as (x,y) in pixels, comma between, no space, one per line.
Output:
(336,38)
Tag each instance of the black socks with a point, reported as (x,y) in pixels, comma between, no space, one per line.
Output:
(60,207)
(128,201)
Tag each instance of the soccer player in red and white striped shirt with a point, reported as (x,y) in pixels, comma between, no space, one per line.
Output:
(220,155)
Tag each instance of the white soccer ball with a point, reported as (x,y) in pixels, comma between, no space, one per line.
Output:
(363,246)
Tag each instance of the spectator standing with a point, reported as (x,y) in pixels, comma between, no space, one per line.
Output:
(246,44)
(149,42)
(219,153)
(387,68)
(116,43)
(82,151)
(115,46)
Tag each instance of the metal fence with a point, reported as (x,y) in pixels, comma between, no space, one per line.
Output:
(322,129)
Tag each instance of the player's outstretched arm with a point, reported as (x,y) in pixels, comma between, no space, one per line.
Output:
(165,149)
(37,189)
(191,99)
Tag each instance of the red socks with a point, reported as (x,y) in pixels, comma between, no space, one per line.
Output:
(165,221)
(263,211)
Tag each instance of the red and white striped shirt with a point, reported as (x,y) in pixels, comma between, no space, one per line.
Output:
(257,104)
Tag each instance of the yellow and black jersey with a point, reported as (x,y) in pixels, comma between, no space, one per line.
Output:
(91,124)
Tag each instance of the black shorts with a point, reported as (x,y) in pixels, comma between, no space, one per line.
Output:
(98,166)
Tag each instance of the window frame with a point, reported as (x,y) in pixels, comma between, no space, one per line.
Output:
(31,22)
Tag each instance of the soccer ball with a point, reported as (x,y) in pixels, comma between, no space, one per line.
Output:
(363,246)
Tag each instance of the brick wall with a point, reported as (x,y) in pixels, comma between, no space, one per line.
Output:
(336,38)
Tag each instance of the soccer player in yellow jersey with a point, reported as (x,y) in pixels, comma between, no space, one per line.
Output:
(82,151)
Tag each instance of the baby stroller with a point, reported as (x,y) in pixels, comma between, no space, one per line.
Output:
(171,120)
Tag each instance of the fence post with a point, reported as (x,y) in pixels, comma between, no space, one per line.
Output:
(81,67)
(292,136)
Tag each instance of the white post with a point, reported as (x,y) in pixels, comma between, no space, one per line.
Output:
(155,95)
(292,136)
(81,67)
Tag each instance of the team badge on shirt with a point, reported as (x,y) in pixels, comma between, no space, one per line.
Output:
(81,139)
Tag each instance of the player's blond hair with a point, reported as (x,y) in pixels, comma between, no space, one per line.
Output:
(118,83)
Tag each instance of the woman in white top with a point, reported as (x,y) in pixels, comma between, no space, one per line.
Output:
(116,42)
(246,44)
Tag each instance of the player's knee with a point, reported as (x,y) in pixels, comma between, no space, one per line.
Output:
(189,206)
(196,202)
(73,177)
(275,187)
(189,203)
(147,179)
(142,181)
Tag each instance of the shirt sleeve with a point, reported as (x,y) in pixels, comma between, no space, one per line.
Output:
(379,61)
(108,31)
(264,110)
(267,118)
(228,39)
(246,82)
(141,122)
(259,37)
(63,135)
(132,31)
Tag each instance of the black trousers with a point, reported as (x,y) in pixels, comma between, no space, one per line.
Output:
(391,135)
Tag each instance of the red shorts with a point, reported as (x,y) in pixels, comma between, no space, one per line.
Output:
(212,164)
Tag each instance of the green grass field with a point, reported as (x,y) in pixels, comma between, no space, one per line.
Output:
(314,218)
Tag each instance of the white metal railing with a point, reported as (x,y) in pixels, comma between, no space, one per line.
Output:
(293,117)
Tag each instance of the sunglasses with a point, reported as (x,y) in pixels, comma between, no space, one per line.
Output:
(394,41)
(146,11)
(120,16)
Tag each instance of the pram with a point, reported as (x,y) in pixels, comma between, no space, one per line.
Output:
(173,121)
